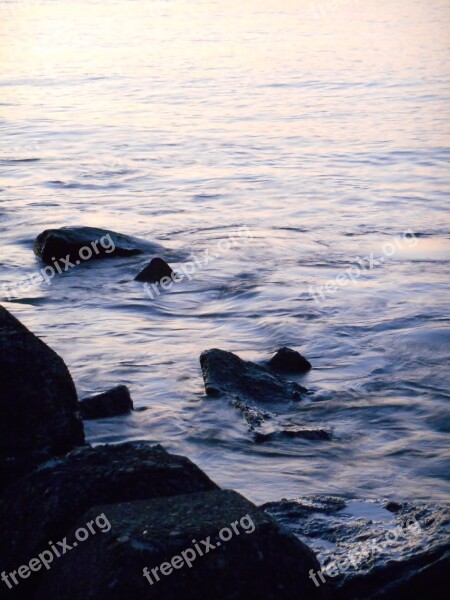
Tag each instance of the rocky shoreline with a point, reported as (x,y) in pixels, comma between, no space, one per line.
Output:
(156,507)
(48,490)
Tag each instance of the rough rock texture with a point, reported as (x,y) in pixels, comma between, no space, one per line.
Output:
(227,374)
(38,406)
(254,416)
(155,271)
(43,505)
(247,385)
(116,401)
(59,243)
(267,564)
(370,551)
(286,360)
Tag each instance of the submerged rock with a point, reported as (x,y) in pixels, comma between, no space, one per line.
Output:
(155,271)
(247,384)
(286,360)
(114,402)
(213,545)
(304,433)
(38,407)
(224,373)
(254,417)
(44,505)
(266,426)
(66,243)
(366,551)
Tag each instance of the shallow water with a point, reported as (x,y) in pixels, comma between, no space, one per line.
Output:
(180,122)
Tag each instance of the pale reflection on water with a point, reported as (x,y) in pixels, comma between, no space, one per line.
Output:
(180,121)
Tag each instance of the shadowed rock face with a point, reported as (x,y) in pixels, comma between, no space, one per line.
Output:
(114,402)
(227,374)
(155,271)
(38,407)
(266,563)
(286,360)
(44,505)
(67,241)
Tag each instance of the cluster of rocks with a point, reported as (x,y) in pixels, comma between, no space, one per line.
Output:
(252,388)
(247,385)
(68,244)
(156,504)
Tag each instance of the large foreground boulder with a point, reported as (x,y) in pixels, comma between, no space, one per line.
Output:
(94,242)
(114,402)
(224,373)
(43,505)
(38,401)
(214,545)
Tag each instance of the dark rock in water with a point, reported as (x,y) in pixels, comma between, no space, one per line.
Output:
(155,271)
(225,373)
(177,541)
(286,360)
(368,552)
(93,242)
(245,383)
(268,427)
(44,505)
(393,507)
(304,433)
(38,407)
(114,402)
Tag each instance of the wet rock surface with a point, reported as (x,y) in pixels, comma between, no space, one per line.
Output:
(156,270)
(286,360)
(263,562)
(114,402)
(43,505)
(65,242)
(38,407)
(368,550)
(224,373)
(247,385)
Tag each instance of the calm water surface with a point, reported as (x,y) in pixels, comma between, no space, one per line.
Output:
(323,129)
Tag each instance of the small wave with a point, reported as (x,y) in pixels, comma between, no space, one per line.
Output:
(17,161)
(83,186)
